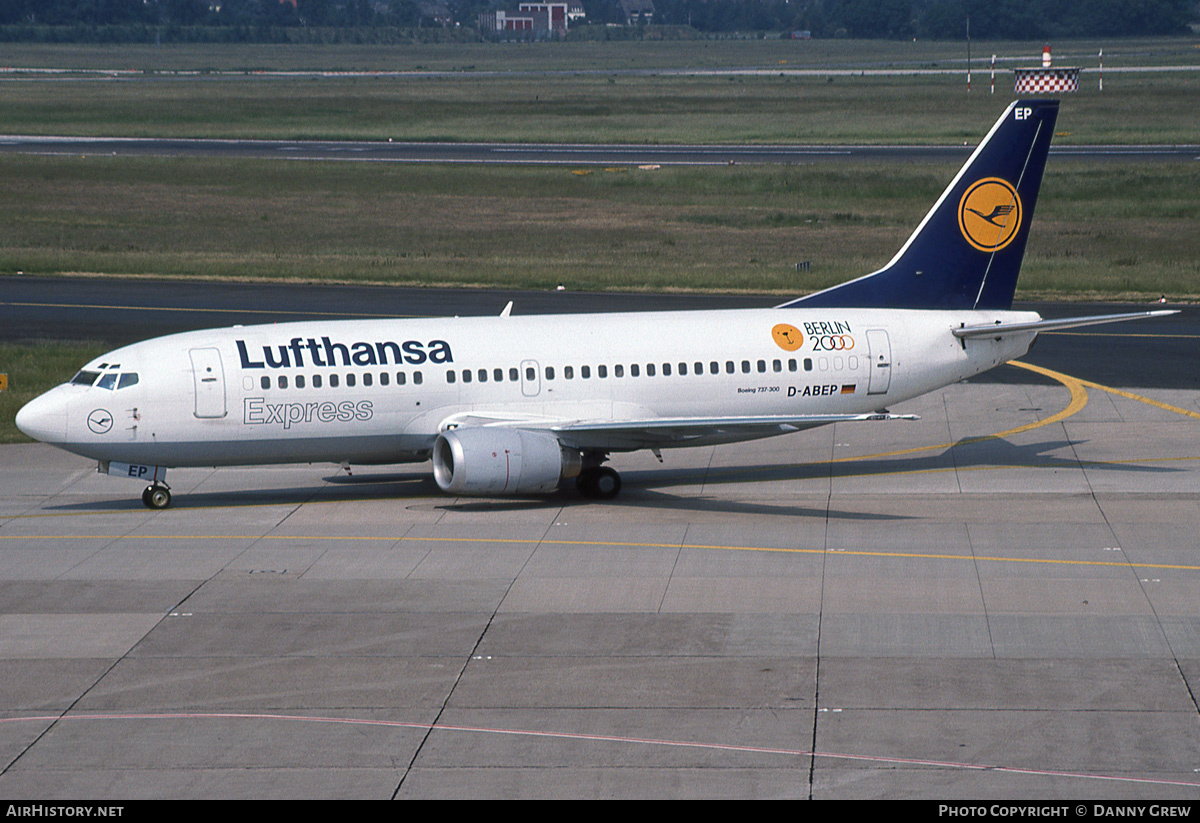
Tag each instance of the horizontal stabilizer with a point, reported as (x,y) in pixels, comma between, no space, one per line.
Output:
(997,329)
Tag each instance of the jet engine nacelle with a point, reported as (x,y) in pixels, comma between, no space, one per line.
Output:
(501,461)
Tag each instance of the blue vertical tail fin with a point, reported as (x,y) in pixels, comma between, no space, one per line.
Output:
(966,253)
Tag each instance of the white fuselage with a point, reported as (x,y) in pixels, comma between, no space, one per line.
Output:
(380,391)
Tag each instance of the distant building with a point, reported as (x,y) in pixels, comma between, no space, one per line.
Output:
(637,12)
(535,19)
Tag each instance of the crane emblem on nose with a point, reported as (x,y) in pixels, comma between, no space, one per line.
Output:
(100,421)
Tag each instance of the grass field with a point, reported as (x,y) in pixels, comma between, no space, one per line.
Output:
(572,92)
(1100,229)
(1149,108)
(33,368)
(1109,229)
(614,56)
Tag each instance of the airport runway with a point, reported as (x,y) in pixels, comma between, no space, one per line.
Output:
(1000,600)
(543,153)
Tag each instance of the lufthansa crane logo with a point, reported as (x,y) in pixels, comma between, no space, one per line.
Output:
(989,214)
(787,336)
(100,421)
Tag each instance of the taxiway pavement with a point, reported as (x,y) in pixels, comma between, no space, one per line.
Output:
(909,609)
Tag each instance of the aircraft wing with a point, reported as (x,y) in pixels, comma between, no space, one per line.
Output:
(664,432)
(660,432)
(999,329)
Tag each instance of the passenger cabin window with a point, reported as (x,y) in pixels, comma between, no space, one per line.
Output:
(384,378)
(299,381)
(618,370)
(569,372)
(418,378)
(585,372)
(451,376)
(549,372)
(514,375)
(351,380)
(367,379)
(283,381)
(498,375)
(265,382)
(400,378)
(602,371)
(333,381)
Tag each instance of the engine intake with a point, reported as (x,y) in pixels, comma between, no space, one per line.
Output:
(501,461)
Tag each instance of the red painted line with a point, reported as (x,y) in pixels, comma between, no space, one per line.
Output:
(600,738)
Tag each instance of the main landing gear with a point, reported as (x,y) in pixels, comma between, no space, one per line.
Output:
(157,496)
(598,482)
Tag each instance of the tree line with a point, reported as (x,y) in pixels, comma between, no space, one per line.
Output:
(926,19)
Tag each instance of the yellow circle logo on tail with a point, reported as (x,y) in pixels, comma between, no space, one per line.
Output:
(989,214)
(787,336)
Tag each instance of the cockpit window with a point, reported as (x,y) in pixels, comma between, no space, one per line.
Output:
(108,380)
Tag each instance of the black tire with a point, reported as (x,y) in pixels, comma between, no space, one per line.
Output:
(156,497)
(585,482)
(599,483)
(607,483)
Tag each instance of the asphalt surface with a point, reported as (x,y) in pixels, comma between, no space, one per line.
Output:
(998,600)
(1160,353)
(544,153)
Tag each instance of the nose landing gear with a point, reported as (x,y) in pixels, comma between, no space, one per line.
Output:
(157,496)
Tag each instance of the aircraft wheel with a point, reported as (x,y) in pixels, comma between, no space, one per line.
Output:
(599,483)
(156,497)
(608,483)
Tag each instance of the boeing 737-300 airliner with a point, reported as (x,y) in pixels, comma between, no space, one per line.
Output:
(519,405)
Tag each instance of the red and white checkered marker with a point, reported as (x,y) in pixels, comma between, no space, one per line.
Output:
(1040,81)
